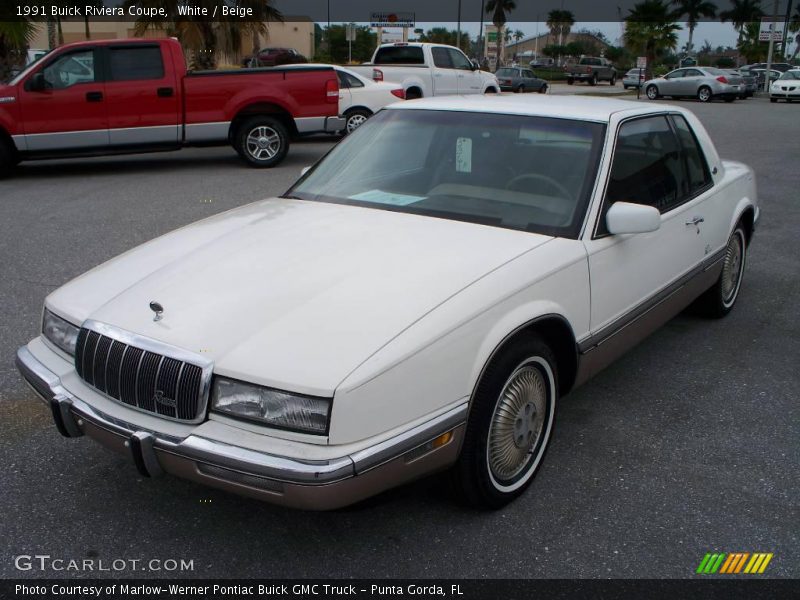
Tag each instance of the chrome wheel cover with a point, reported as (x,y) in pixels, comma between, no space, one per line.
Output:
(732,267)
(517,423)
(354,122)
(263,143)
(652,92)
(704,95)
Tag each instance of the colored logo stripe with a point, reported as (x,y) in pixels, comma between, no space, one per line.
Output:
(734,562)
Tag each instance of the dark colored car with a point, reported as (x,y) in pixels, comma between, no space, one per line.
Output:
(272,57)
(517,79)
(749,82)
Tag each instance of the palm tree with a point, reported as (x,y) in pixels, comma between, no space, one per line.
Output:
(794,27)
(518,35)
(650,25)
(560,23)
(499,10)
(14,39)
(202,38)
(749,45)
(742,13)
(694,10)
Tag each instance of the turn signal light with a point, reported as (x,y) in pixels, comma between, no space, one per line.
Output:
(400,93)
(377,75)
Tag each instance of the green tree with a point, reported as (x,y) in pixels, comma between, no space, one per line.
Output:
(740,14)
(560,23)
(442,35)
(694,10)
(518,35)
(499,10)
(363,46)
(14,39)
(615,54)
(749,46)
(202,38)
(650,26)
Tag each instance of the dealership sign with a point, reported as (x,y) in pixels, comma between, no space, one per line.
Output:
(392,19)
(770,25)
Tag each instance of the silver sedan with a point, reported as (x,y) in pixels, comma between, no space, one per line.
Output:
(703,83)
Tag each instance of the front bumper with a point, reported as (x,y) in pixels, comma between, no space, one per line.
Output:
(306,484)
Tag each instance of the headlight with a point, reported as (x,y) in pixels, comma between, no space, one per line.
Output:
(60,332)
(284,410)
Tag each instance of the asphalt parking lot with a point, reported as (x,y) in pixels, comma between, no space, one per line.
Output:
(687,445)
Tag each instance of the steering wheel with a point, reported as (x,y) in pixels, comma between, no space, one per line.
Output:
(539,177)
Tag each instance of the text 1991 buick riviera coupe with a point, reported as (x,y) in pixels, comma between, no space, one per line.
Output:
(419,300)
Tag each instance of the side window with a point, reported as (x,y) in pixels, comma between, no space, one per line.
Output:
(70,69)
(676,74)
(696,164)
(441,58)
(459,60)
(647,167)
(132,64)
(528,74)
(693,73)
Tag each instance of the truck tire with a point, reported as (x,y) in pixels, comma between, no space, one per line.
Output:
(262,141)
(593,80)
(8,158)
(613,80)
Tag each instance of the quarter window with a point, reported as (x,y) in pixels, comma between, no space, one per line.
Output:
(131,64)
(696,166)
(348,81)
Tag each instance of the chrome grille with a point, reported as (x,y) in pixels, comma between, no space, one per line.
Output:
(140,374)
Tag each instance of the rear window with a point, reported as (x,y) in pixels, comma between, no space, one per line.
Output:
(129,64)
(506,72)
(393,55)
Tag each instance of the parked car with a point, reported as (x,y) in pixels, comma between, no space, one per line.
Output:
(427,70)
(543,62)
(761,75)
(780,66)
(633,78)
(274,57)
(749,85)
(592,70)
(518,79)
(360,98)
(787,87)
(144,100)
(703,83)
(422,298)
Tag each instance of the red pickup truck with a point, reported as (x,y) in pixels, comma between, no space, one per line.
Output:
(128,96)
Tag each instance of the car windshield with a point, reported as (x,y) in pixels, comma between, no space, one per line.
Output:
(518,172)
(791,75)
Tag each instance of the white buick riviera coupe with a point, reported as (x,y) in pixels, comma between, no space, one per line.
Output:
(418,301)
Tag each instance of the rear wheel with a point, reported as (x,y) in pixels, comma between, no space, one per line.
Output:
(520,89)
(543,89)
(593,80)
(652,92)
(704,94)
(718,301)
(613,80)
(570,81)
(355,118)
(262,141)
(413,93)
(510,424)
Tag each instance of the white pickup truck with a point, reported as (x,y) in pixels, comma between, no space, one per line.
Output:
(428,70)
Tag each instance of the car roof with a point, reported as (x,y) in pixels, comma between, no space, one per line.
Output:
(581,108)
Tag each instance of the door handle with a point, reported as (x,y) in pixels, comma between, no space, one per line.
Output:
(94,96)
(695,221)
(165,92)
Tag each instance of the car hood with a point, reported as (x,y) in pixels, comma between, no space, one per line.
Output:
(289,293)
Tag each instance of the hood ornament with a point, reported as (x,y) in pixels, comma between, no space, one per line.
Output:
(158,309)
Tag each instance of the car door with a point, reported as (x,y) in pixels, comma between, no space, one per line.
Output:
(70,113)
(692,81)
(632,272)
(142,96)
(445,77)
(470,80)
(672,83)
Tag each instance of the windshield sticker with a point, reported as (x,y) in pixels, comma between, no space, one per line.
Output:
(464,155)
(381,197)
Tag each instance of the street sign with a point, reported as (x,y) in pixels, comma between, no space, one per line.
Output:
(770,25)
(641,62)
(392,19)
(391,37)
(350,32)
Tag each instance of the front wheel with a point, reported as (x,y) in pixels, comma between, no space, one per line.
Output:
(651,92)
(355,118)
(8,158)
(520,89)
(510,424)
(718,301)
(704,94)
(543,89)
(262,141)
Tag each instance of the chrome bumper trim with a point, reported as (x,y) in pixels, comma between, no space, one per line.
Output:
(70,412)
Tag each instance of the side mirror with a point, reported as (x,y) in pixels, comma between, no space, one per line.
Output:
(37,83)
(304,171)
(627,217)
(475,65)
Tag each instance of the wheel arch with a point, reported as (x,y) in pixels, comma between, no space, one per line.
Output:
(415,90)
(747,218)
(262,109)
(359,107)
(557,333)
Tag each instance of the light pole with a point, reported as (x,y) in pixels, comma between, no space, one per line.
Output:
(458,31)
(481,49)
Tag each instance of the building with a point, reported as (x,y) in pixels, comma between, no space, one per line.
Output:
(294,32)
(534,46)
